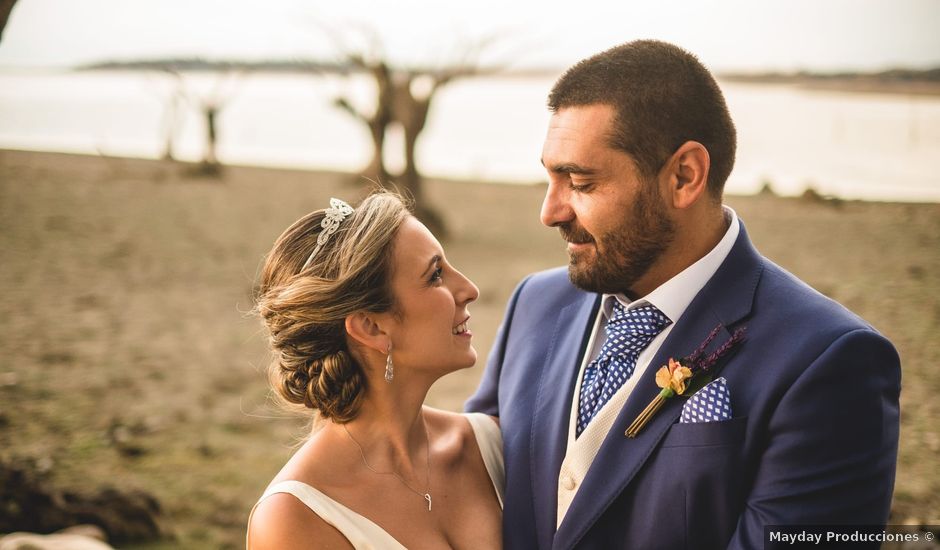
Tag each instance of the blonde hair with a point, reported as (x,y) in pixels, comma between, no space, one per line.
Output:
(305,309)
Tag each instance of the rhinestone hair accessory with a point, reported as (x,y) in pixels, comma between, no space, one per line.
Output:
(335,214)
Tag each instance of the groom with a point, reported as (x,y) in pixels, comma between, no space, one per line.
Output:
(791,416)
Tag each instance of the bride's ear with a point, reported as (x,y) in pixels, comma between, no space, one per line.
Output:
(365,328)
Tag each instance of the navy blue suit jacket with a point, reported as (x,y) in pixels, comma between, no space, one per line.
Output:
(813,438)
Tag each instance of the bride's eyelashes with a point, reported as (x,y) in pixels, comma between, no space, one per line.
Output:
(437,276)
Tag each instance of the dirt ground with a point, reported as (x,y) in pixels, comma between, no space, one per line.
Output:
(128,355)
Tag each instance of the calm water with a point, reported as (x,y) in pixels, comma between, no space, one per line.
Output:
(868,146)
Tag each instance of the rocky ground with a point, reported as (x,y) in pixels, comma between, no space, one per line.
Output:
(129,358)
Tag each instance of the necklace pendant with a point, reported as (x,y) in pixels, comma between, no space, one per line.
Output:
(427,497)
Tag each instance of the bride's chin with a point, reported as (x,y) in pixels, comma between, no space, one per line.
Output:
(470,362)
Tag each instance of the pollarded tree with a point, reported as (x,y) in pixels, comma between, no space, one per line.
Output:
(414,91)
(168,87)
(403,97)
(376,120)
(208,102)
(6,6)
(210,106)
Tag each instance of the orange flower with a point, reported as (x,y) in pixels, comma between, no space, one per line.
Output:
(663,376)
(673,376)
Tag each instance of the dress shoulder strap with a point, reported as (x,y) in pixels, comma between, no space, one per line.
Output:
(359,530)
(490,441)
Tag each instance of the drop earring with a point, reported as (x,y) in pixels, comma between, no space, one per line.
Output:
(389,367)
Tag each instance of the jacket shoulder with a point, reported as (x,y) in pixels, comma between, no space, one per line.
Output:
(787,295)
(551,288)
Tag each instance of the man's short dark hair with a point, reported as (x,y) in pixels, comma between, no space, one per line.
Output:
(663,97)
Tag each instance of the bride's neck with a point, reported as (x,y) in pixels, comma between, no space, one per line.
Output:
(391,427)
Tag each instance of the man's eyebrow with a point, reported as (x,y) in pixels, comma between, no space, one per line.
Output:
(436,259)
(570,168)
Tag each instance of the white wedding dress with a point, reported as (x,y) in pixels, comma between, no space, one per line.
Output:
(361,532)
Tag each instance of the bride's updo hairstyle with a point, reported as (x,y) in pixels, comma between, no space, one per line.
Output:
(304,308)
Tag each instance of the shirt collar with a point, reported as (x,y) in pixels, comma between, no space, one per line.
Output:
(674,296)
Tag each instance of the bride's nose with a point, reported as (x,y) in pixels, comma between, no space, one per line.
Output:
(465,291)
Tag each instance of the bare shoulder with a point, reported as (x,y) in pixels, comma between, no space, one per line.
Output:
(281,521)
(454,434)
(446,423)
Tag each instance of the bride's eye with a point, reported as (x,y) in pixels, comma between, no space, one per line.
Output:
(437,276)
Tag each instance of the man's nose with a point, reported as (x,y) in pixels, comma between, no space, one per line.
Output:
(555,207)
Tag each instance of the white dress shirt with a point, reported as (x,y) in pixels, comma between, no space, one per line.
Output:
(672,298)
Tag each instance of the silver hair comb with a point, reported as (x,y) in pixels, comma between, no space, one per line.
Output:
(335,214)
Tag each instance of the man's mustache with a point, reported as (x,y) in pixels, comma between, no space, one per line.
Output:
(576,235)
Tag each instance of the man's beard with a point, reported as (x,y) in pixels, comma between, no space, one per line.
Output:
(629,250)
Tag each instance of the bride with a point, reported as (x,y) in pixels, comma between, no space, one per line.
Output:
(365,313)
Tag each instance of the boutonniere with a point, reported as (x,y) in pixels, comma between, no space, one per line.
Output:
(685,376)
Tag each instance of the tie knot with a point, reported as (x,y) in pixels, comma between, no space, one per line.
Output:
(645,320)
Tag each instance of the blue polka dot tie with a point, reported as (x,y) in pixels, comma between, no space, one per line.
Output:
(628,334)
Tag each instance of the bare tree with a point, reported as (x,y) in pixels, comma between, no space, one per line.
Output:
(210,107)
(378,120)
(173,98)
(172,117)
(403,97)
(413,95)
(210,112)
(6,6)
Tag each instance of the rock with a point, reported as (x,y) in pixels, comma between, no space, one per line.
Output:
(92,531)
(28,503)
(810,195)
(124,515)
(767,189)
(62,540)
(8,379)
(44,465)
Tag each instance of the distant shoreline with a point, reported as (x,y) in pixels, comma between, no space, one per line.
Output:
(891,82)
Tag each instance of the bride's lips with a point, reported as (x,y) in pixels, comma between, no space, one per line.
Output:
(462,328)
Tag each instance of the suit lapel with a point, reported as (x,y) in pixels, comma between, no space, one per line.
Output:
(725,299)
(552,407)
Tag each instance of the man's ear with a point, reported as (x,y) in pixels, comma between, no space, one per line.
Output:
(688,174)
(366,329)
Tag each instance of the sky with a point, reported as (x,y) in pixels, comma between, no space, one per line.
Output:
(732,35)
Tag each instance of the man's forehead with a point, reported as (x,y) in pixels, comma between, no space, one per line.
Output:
(591,114)
(576,131)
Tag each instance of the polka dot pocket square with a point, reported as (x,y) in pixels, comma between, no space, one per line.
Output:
(712,403)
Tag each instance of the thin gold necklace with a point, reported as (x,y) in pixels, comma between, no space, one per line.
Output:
(427,492)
